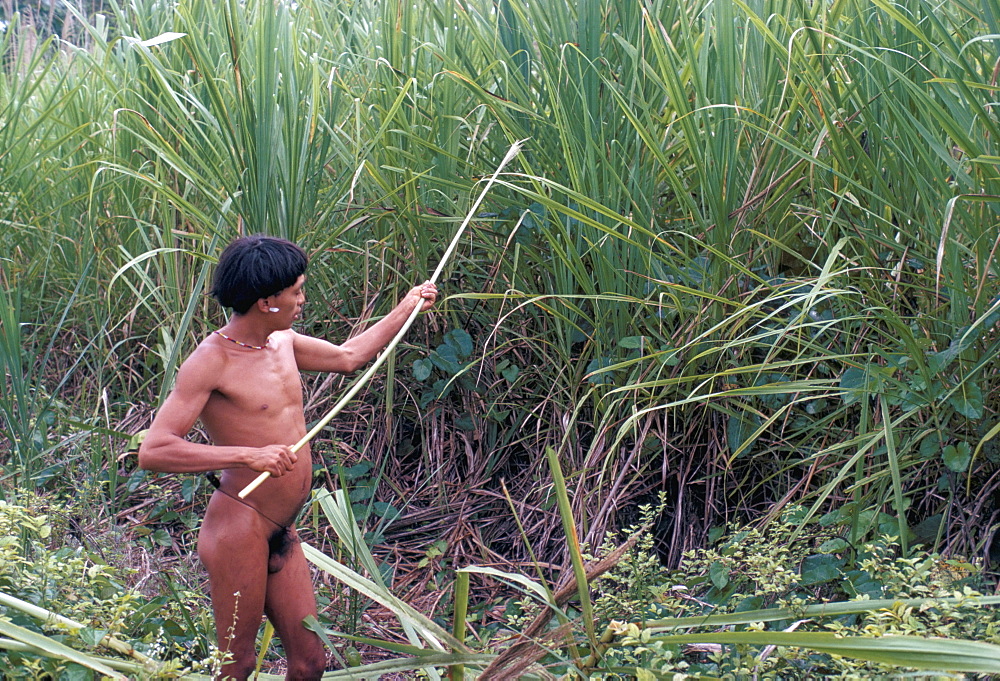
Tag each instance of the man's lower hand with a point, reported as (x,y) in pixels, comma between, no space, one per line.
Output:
(274,459)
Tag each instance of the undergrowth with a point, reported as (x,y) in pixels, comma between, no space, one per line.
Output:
(44,563)
(779,566)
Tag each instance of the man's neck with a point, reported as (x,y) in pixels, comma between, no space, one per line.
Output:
(248,330)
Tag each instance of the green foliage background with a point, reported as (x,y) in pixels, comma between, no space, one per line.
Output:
(747,255)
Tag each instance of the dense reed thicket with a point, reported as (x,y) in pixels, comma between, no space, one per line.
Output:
(747,255)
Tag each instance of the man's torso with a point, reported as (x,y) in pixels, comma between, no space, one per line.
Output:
(258,402)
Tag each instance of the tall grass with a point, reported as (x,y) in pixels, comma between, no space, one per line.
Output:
(747,255)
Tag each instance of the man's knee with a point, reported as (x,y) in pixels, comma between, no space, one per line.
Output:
(309,665)
(238,669)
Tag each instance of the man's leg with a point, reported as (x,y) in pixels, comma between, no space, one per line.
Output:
(235,556)
(290,599)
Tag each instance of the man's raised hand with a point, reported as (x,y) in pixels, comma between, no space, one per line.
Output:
(427,293)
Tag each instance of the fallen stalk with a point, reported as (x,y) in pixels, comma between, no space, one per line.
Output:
(133,668)
(45,615)
(360,383)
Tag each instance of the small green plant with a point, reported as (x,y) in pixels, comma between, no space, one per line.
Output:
(639,578)
(448,363)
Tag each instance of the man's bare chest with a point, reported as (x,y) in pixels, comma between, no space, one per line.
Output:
(263,387)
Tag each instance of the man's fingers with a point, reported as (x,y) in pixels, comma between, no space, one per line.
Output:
(278,459)
(428,293)
(286,460)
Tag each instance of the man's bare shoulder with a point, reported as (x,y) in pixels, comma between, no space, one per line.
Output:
(208,350)
(299,337)
(207,361)
(298,340)
(286,334)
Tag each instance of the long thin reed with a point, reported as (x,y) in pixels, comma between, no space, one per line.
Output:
(363,379)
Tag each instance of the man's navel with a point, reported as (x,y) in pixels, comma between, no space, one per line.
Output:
(263,407)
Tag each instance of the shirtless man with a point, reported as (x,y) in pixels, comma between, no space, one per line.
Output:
(243,383)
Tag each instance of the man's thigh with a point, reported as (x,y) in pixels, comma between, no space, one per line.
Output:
(289,600)
(237,575)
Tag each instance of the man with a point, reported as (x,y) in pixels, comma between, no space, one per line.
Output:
(242,382)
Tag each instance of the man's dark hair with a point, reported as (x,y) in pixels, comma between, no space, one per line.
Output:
(255,267)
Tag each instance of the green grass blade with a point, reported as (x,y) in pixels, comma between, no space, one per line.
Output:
(903,651)
(53,648)
(572,543)
(431,632)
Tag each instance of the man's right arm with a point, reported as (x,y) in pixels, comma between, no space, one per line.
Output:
(166,448)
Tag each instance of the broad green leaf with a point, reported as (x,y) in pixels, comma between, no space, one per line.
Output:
(445,357)
(75,672)
(834,545)
(510,373)
(930,445)
(862,381)
(92,637)
(719,574)
(853,381)
(461,341)
(422,369)
(820,569)
(189,485)
(740,432)
(633,342)
(595,373)
(957,457)
(968,400)
(162,537)
(963,341)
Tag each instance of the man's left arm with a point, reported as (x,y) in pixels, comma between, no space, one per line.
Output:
(314,354)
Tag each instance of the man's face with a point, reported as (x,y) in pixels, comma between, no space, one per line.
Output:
(290,301)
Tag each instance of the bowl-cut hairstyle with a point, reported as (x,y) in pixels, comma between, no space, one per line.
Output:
(255,267)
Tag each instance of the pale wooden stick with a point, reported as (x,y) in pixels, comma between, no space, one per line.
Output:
(321,424)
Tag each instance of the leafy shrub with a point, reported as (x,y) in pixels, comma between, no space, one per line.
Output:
(782,566)
(42,564)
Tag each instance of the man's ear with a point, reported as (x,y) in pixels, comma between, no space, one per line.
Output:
(262,305)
